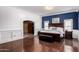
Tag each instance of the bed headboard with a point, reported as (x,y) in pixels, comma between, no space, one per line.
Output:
(56,25)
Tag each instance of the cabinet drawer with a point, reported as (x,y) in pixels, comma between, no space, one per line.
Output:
(68,34)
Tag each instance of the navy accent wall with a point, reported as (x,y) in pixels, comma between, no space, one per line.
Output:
(78,20)
(73,15)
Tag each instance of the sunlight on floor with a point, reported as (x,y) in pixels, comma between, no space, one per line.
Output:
(68,48)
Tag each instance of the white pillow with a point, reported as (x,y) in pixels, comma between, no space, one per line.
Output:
(53,28)
(50,28)
(60,29)
(46,28)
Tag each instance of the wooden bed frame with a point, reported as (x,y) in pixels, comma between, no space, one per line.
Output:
(50,37)
(56,25)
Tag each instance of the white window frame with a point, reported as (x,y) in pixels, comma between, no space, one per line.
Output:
(46,24)
(66,26)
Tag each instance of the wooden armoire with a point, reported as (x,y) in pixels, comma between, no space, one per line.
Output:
(28,27)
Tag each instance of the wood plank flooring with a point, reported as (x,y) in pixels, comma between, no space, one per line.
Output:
(32,44)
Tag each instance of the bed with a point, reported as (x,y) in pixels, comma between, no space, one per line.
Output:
(55,32)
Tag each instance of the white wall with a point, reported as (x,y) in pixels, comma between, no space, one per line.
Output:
(11,35)
(76,34)
(11,18)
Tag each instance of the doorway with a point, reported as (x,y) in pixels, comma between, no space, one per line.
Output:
(28,27)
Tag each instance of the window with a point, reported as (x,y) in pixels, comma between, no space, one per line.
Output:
(46,24)
(68,24)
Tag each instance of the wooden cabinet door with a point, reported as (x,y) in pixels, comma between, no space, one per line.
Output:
(30,28)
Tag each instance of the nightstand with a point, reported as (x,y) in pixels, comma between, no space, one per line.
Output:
(68,34)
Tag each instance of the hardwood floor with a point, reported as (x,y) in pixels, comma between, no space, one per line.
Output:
(48,47)
(32,44)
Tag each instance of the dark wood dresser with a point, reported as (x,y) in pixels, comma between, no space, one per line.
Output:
(68,35)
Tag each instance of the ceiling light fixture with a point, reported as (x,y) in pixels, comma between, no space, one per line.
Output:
(49,7)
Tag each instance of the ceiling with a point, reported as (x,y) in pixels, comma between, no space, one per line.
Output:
(40,10)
